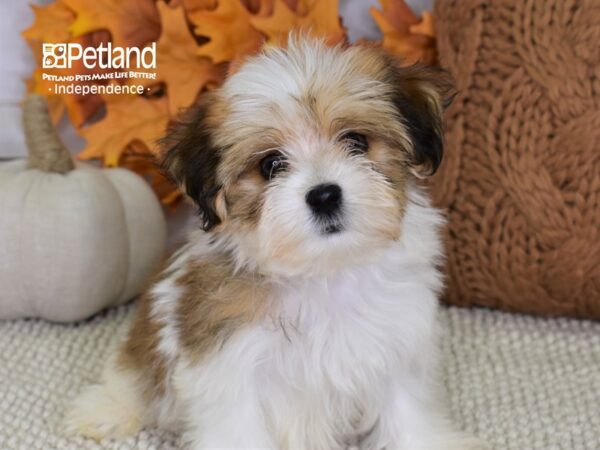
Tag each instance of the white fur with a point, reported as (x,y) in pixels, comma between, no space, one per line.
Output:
(166,294)
(112,408)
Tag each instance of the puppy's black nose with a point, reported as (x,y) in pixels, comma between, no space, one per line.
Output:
(324,199)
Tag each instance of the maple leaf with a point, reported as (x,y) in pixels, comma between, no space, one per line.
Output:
(131,23)
(397,14)
(51,23)
(404,33)
(81,108)
(128,118)
(425,27)
(228,27)
(321,19)
(179,67)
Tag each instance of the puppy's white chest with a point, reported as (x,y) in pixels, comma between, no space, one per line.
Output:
(333,347)
(332,325)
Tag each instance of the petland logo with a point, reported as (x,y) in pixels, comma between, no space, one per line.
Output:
(62,56)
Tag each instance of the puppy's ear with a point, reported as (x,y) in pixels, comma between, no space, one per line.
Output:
(420,96)
(190,158)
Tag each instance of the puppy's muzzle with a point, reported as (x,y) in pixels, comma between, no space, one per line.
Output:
(325,202)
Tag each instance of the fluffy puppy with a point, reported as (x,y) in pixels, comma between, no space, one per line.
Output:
(303,316)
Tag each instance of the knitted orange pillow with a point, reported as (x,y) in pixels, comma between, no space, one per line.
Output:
(521,176)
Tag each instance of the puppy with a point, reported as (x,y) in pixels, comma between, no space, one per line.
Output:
(303,315)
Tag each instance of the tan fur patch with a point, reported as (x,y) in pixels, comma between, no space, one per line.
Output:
(215,303)
(140,351)
(246,145)
(392,164)
(244,198)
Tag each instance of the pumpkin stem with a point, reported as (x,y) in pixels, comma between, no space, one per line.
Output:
(46,150)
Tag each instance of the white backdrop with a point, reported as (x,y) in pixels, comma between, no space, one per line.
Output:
(15,65)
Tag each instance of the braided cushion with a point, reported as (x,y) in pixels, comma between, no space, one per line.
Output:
(521,176)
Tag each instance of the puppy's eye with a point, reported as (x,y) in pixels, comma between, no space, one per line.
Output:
(271,165)
(356,142)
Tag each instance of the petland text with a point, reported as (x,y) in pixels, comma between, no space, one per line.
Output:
(104,56)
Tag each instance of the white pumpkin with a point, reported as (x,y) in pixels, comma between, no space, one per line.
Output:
(74,239)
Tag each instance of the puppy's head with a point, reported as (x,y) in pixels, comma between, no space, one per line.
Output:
(301,160)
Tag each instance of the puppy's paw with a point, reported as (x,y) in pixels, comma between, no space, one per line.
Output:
(96,414)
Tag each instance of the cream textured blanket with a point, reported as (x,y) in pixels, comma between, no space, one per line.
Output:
(519,382)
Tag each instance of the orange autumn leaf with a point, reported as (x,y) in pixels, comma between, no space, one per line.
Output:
(396,13)
(228,27)
(179,67)
(51,23)
(321,19)
(404,33)
(128,118)
(131,23)
(81,108)
(425,27)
